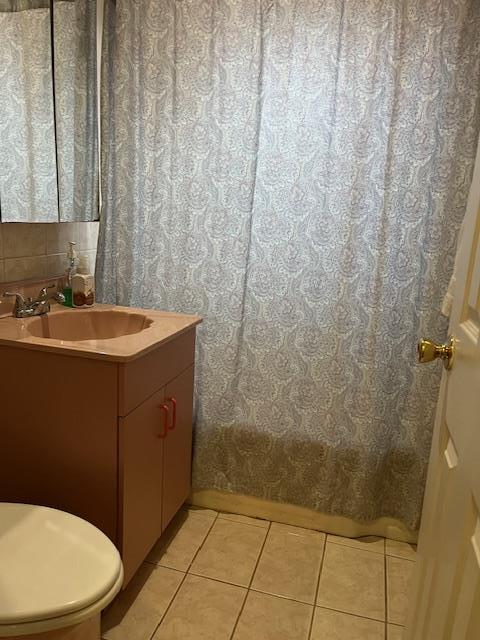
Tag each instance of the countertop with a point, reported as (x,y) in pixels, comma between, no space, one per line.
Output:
(164,327)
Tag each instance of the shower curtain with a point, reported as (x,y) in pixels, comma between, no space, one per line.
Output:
(296,172)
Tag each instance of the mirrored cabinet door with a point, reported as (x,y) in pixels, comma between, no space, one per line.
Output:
(48,111)
(28,168)
(75,72)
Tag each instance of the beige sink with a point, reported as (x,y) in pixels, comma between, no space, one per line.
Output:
(85,325)
(105,332)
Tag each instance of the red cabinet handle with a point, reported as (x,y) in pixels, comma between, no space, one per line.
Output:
(164,408)
(174,413)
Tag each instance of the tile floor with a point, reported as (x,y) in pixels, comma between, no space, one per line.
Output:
(217,576)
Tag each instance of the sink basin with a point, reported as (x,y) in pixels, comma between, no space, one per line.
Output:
(104,332)
(87,325)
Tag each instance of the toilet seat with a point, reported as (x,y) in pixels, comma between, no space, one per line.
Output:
(56,570)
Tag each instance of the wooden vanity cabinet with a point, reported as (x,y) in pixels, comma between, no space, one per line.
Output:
(108,441)
(177,461)
(155,443)
(141,490)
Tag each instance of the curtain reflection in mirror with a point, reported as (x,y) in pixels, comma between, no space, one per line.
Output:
(48,111)
(76,108)
(28,179)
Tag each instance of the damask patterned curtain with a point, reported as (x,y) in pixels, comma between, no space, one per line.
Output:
(23,5)
(28,171)
(76,108)
(296,172)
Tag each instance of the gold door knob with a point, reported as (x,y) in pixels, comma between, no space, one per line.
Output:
(428,351)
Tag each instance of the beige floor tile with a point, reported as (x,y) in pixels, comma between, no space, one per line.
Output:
(368,543)
(138,610)
(401,549)
(230,552)
(334,625)
(266,617)
(352,581)
(233,517)
(290,563)
(394,632)
(200,510)
(399,575)
(181,540)
(203,609)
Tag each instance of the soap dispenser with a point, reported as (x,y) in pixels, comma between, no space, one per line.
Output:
(69,273)
(83,287)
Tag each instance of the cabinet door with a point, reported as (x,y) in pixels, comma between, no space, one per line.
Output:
(142,441)
(177,455)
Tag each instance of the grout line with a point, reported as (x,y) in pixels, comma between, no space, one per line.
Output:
(347,546)
(349,613)
(267,593)
(163,566)
(201,575)
(277,595)
(183,579)
(26,255)
(318,586)
(221,516)
(385,586)
(187,570)
(397,555)
(251,580)
(249,587)
(389,555)
(169,605)
(267,531)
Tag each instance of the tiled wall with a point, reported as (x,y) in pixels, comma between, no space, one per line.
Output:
(31,251)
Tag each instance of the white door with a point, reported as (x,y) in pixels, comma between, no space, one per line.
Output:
(446,595)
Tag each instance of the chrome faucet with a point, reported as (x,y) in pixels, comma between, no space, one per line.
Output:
(27,307)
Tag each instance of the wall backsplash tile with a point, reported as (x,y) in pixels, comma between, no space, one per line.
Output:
(56,263)
(29,251)
(24,240)
(25,268)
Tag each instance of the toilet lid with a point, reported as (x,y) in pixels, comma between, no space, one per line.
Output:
(51,563)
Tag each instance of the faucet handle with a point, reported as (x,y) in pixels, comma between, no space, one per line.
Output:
(19,299)
(43,291)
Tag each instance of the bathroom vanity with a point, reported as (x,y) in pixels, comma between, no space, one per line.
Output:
(96,418)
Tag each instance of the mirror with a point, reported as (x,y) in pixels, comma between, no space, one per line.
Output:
(75,73)
(28,174)
(48,111)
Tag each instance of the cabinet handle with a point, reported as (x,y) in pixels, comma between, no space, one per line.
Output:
(164,408)
(174,413)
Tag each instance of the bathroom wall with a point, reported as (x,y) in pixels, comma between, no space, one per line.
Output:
(36,251)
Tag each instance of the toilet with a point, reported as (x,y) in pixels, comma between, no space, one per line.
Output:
(57,573)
